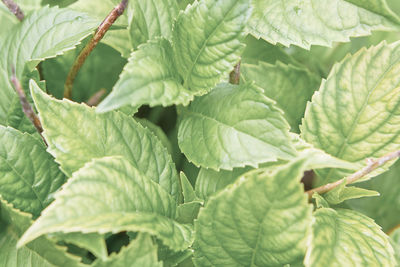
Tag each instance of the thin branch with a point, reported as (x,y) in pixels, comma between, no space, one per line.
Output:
(372,165)
(14,8)
(26,107)
(391,231)
(94,100)
(234,76)
(99,34)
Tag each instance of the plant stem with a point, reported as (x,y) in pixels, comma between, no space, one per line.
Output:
(14,8)
(234,76)
(391,231)
(26,107)
(94,100)
(371,166)
(99,34)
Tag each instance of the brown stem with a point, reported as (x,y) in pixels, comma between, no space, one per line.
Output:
(94,100)
(26,107)
(14,8)
(234,76)
(99,34)
(391,231)
(371,166)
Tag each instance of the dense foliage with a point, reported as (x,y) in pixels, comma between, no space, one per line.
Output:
(180,164)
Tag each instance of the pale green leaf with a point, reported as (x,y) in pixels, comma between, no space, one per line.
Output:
(116,38)
(76,134)
(259,50)
(42,34)
(209,182)
(320,202)
(208,40)
(395,241)
(214,132)
(157,131)
(347,238)
(93,242)
(28,174)
(151,18)
(111,195)
(141,252)
(262,220)
(149,78)
(313,22)
(342,193)
(187,189)
(291,87)
(356,113)
(377,6)
(187,212)
(385,209)
(39,253)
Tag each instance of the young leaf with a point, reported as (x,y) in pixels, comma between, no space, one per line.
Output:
(44,33)
(117,198)
(342,193)
(262,220)
(355,114)
(28,176)
(149,78)
(141,252)
(291,87)
(313,22)
(150,19)
(384,209)
(208,40)
(76,134)
(347,238)
(214,132)
(187,190)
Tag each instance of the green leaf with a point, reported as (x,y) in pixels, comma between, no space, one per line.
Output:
(140,252)
(263,220)
(76,134)
(314,22)
(384,209)
(291,87)
(355,114)
(187,189)
(150,19)
(214,132)
(208,40)
(28,175)
(377,6)
(116,38)
(42,34)
(209,182)
(93,242)
(347,238)
(39,253)
(149,78)
(117,198)
(395,241)
(342,193)
(104,63)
